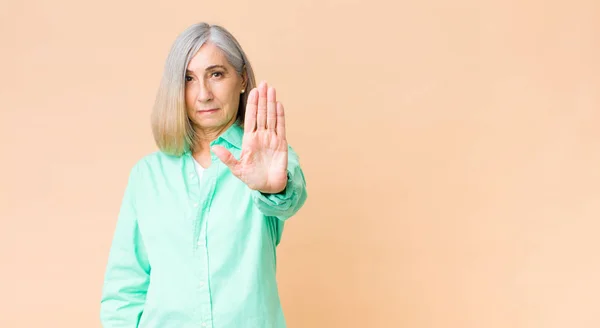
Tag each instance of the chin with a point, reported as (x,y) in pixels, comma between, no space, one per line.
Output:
(211,123)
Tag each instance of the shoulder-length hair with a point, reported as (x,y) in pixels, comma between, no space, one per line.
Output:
(171,126)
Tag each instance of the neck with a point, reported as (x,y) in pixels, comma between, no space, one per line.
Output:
(204,136)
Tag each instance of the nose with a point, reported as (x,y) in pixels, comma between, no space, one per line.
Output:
(204,92)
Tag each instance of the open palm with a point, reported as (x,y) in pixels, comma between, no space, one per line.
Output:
(263,162)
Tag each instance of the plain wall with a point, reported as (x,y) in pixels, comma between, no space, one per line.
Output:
(451,150)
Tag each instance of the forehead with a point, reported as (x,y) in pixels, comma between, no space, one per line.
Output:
(208,55)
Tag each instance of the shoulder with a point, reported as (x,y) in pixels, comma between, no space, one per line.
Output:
(153,162)
(158,157)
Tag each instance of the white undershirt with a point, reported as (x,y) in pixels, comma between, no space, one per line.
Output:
(199,169)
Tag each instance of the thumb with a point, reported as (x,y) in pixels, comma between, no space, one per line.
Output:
(226,157)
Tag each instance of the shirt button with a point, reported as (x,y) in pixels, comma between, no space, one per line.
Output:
(195,204)
(204,324)
(201,284)
(191,175)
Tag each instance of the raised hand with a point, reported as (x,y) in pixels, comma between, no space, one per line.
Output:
(264,158)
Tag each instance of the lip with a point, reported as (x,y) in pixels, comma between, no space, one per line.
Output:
(212,110)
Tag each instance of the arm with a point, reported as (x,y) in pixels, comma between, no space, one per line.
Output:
(128,270)
(286,203)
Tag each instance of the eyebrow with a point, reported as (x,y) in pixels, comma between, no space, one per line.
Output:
(211,67)
(215,66)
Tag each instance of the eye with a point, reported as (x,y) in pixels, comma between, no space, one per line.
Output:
(217,74)
(188,78)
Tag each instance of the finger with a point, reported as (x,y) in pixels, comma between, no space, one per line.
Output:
(271,109)
(280,121)
(261,114)
(226,157)
(251,107)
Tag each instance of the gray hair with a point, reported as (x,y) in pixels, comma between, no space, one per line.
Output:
(171,126)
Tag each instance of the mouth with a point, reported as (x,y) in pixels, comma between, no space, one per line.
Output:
(208,111)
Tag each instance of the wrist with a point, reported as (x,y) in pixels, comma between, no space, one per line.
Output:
(268,191)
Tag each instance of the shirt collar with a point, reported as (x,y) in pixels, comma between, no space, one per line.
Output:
(233,135)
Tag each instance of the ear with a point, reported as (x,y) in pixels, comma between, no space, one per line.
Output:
(244,78)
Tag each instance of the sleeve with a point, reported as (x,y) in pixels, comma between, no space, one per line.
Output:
(128,269)
(286,203)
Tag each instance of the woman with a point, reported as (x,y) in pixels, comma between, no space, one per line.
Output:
(195,240)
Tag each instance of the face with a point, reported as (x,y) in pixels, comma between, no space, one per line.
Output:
(212,90)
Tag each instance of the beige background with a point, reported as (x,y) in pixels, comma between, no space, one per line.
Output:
(451,150)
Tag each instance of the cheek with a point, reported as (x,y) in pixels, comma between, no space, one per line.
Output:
(233,97)
(232,103)
(189,97)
